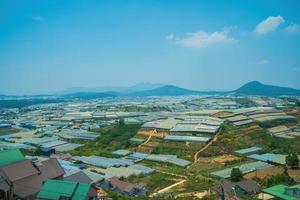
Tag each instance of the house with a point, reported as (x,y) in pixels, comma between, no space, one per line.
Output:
(293,191)
(23,178)
(245,187)
(284,192)
(10,156)
(59,189)
(81,177)
(124,188)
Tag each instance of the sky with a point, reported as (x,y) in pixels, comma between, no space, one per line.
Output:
(49,46)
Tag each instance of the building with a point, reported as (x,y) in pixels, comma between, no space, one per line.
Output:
(23,178)
(245,187)
(124,188)
(59,189)
(284,192)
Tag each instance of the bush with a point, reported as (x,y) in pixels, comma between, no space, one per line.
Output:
(292,160)
(283,178)
(236,174)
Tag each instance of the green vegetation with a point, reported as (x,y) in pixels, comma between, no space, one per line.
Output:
(233,138)
(32,152)
(210,197)
(154,181)
(272,123)
(183,150)
(134,108)
(112,138)
(205,168)
(197,183)
(26,102)
(283,178)
(236,175)
(245,102)
(116,196)
(292,160)
(164,167)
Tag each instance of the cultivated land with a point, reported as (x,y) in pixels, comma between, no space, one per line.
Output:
(127,139)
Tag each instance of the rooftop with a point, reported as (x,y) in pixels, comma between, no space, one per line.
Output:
(10,156)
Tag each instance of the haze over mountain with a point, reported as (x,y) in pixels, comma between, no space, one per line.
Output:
(150,89)
(257,88)
(134,88)
(250,88)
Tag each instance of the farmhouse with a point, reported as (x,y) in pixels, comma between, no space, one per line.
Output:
(284,192)
(24,178)
(122,187)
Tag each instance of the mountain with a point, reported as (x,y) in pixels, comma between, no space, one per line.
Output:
(120,89)
(257,88)
(149,89)
(87,95)
(167,90)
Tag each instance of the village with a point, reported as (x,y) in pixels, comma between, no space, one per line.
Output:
(183,147)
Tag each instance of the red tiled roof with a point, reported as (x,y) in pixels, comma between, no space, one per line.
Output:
(122,185)
(19,170)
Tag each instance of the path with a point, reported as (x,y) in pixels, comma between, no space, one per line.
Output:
(169,173)
(196,156)
(149,138)
(167,188)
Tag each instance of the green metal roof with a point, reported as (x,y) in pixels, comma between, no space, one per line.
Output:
(55,189)
(295,186)
(81,191)
(278,191)
(10,156)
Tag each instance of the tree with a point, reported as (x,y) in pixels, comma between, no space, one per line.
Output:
(292,160)
(121,121)
(236,174)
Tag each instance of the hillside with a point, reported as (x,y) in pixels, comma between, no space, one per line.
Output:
(257,88)
(88,95)
(168,90)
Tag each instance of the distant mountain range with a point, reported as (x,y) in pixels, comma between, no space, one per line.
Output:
(257,88)
(146,89)
(250,88)
(134,88)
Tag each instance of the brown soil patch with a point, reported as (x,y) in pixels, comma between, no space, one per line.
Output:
(251,128)
(222,114)
(295,174)
(264,173)
(223,158)
(159,134)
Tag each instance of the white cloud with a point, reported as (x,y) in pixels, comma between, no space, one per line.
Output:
(38,18)
(202,39)
(263,62)
(170,36)
(292,28)
(269,25)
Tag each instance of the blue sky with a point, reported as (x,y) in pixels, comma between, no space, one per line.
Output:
(48,46)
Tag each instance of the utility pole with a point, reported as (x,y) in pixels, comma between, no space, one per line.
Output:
(223,193)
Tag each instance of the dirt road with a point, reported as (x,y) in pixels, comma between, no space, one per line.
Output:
(215,138)
(149,138)
(167,188)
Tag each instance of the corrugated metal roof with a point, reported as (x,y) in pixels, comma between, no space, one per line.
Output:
(55,189)
(121,152)
(67,147)
(186,138)
(10,156)
(248,150)
(103,161)
(277,158)
(245,168)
